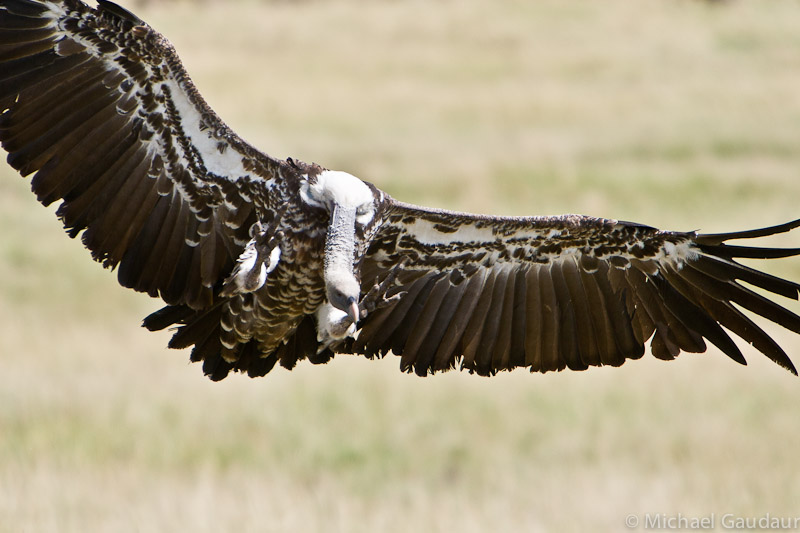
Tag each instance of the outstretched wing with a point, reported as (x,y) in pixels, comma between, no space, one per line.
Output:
(548,293)
(98,105)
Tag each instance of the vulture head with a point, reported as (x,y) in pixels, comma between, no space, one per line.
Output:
(351,205)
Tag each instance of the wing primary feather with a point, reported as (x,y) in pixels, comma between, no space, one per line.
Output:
(87,206)
(663,344)
(31,70)
(33,117)
(62,136)
(24,35)
(766,308)
(53,104)
(69,176)
(22,50)
(719,238)
(737,322)
(750,252)
(677,327)
(728,270)
(731,291)
(25,8)
(734,320)
(682,301)
(12,21)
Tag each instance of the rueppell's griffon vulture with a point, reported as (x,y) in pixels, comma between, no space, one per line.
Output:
(263,261)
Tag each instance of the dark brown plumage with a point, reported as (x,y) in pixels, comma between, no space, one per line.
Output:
(259,260)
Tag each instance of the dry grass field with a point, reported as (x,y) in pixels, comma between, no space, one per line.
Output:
(679,114)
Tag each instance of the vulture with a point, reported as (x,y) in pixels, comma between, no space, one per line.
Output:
(262,261)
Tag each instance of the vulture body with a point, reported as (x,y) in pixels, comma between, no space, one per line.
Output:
(263,261)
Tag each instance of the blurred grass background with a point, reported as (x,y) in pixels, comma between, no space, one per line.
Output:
(678,114)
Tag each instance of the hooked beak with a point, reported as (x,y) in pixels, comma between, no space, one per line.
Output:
(352,310)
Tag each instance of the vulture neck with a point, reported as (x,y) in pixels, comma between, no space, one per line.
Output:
(340,243)
(341,285)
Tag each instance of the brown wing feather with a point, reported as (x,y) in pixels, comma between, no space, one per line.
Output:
(97,104)
(563,292)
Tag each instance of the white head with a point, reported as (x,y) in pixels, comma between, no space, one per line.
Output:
(334,187)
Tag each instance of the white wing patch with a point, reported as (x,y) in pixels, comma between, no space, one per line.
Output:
(216,157)
(425,232)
